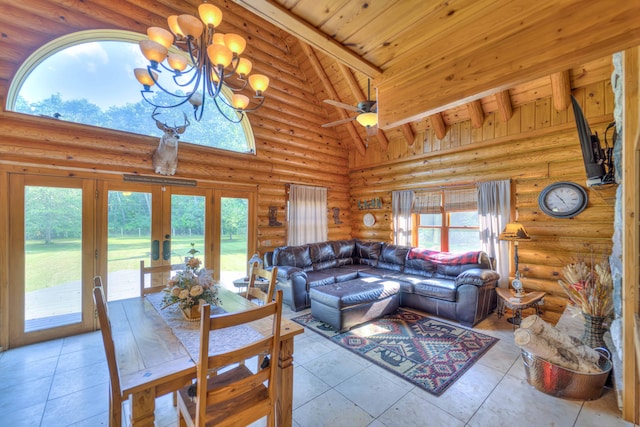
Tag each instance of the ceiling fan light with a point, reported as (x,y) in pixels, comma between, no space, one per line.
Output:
(210,14)
(190,26)
(235,43)
(153,51)
(160,35)
(367,119)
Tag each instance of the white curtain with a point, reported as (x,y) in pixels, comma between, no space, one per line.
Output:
(307,215)
(401,204)
(494,208)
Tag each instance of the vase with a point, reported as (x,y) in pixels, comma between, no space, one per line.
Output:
(594,330)
(192,314)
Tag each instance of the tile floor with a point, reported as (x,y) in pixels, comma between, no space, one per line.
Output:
(65,383)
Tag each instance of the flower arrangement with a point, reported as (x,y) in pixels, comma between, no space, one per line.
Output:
(589,286)
(192,286)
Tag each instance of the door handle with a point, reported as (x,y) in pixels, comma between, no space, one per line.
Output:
(155,250)
(166,250)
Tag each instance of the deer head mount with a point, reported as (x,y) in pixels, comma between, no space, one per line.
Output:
(165,158)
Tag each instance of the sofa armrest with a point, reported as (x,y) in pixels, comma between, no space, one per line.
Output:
(477,277)
(267,259)
(287,272)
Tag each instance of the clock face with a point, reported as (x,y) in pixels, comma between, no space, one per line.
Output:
(563,200)
(369,219)
(517,284)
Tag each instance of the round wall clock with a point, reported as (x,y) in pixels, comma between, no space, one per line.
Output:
(368,219)
(563,199)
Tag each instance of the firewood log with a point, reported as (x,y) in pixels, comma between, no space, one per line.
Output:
(539,327)
(544,348)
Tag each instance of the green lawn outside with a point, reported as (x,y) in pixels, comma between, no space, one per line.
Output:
(59,262)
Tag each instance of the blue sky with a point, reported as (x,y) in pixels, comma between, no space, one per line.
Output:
(101,72)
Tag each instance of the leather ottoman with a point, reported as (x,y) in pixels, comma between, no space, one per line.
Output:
(343,305)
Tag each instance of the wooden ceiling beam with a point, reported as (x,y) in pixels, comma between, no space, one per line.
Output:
(476,113)
(407,131)
(328,87)
(307,33)
(553,39)
(561,89)
(438,125)
(358,94)
(505,108)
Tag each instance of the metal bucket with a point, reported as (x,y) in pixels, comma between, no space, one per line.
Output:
(566,383)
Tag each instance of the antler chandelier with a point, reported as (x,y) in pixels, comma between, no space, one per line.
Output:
(202,62)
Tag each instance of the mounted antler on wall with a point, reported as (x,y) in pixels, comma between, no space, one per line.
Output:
(165,158)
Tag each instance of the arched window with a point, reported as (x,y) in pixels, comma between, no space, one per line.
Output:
(87,77)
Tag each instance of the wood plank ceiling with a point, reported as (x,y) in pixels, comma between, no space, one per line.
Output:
(433,63)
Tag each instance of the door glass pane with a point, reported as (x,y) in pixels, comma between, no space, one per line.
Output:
(53,257)
(234,217)
(187,227)
(129,242)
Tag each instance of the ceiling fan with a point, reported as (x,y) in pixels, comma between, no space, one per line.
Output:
(367,113)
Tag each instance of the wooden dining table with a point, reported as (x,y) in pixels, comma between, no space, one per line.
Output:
(152,361)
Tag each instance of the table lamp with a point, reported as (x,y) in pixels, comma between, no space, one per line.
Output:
(515,233)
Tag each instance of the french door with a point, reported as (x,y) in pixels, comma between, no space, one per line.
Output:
(64,231)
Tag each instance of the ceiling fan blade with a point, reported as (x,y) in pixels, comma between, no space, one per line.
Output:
(339,122)
(341,105)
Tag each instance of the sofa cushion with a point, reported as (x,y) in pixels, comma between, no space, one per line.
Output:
(352,292)
(444,289)
(341,274)
(295,256)
(367,253)
(344,251)
(319,278)
(392,257)
(477,276)
(322,255)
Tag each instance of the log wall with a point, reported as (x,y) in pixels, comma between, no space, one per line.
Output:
(536,147)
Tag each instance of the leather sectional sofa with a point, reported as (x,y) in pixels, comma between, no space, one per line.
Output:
(347,282)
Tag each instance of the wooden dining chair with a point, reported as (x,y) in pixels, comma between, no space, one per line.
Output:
(144,271)
(236,396)
(115,391)
(255,291)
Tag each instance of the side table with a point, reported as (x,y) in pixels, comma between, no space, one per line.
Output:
(507,299)
(242,284)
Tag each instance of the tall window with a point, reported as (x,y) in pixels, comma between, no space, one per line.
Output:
(447,220)
(87,77)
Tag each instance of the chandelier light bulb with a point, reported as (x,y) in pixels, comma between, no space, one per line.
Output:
(239,101)
(177,62)
(244,67)
(160,35)
(153,51)
(219,55)
(210,14)
(259,83)
(172,21)
(145,79)
(191,26)
(235,43)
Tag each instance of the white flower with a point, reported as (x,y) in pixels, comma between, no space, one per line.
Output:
(175,291)
(196,290)
(184,294)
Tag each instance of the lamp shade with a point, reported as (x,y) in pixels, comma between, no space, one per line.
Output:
(219,55)
(160,35)
(210,14)
(177,62)
(367,119)
(244,67)
(514,232)
(190,26)
(259,82)
(143,76)
(235,43)
(239,101)
(153,51)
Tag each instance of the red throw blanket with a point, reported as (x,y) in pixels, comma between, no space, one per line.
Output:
(445,257)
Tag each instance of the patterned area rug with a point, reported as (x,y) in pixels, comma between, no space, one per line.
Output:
(426,352)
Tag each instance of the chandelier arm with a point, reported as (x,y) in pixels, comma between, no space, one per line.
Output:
(240,113)
(149,101)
